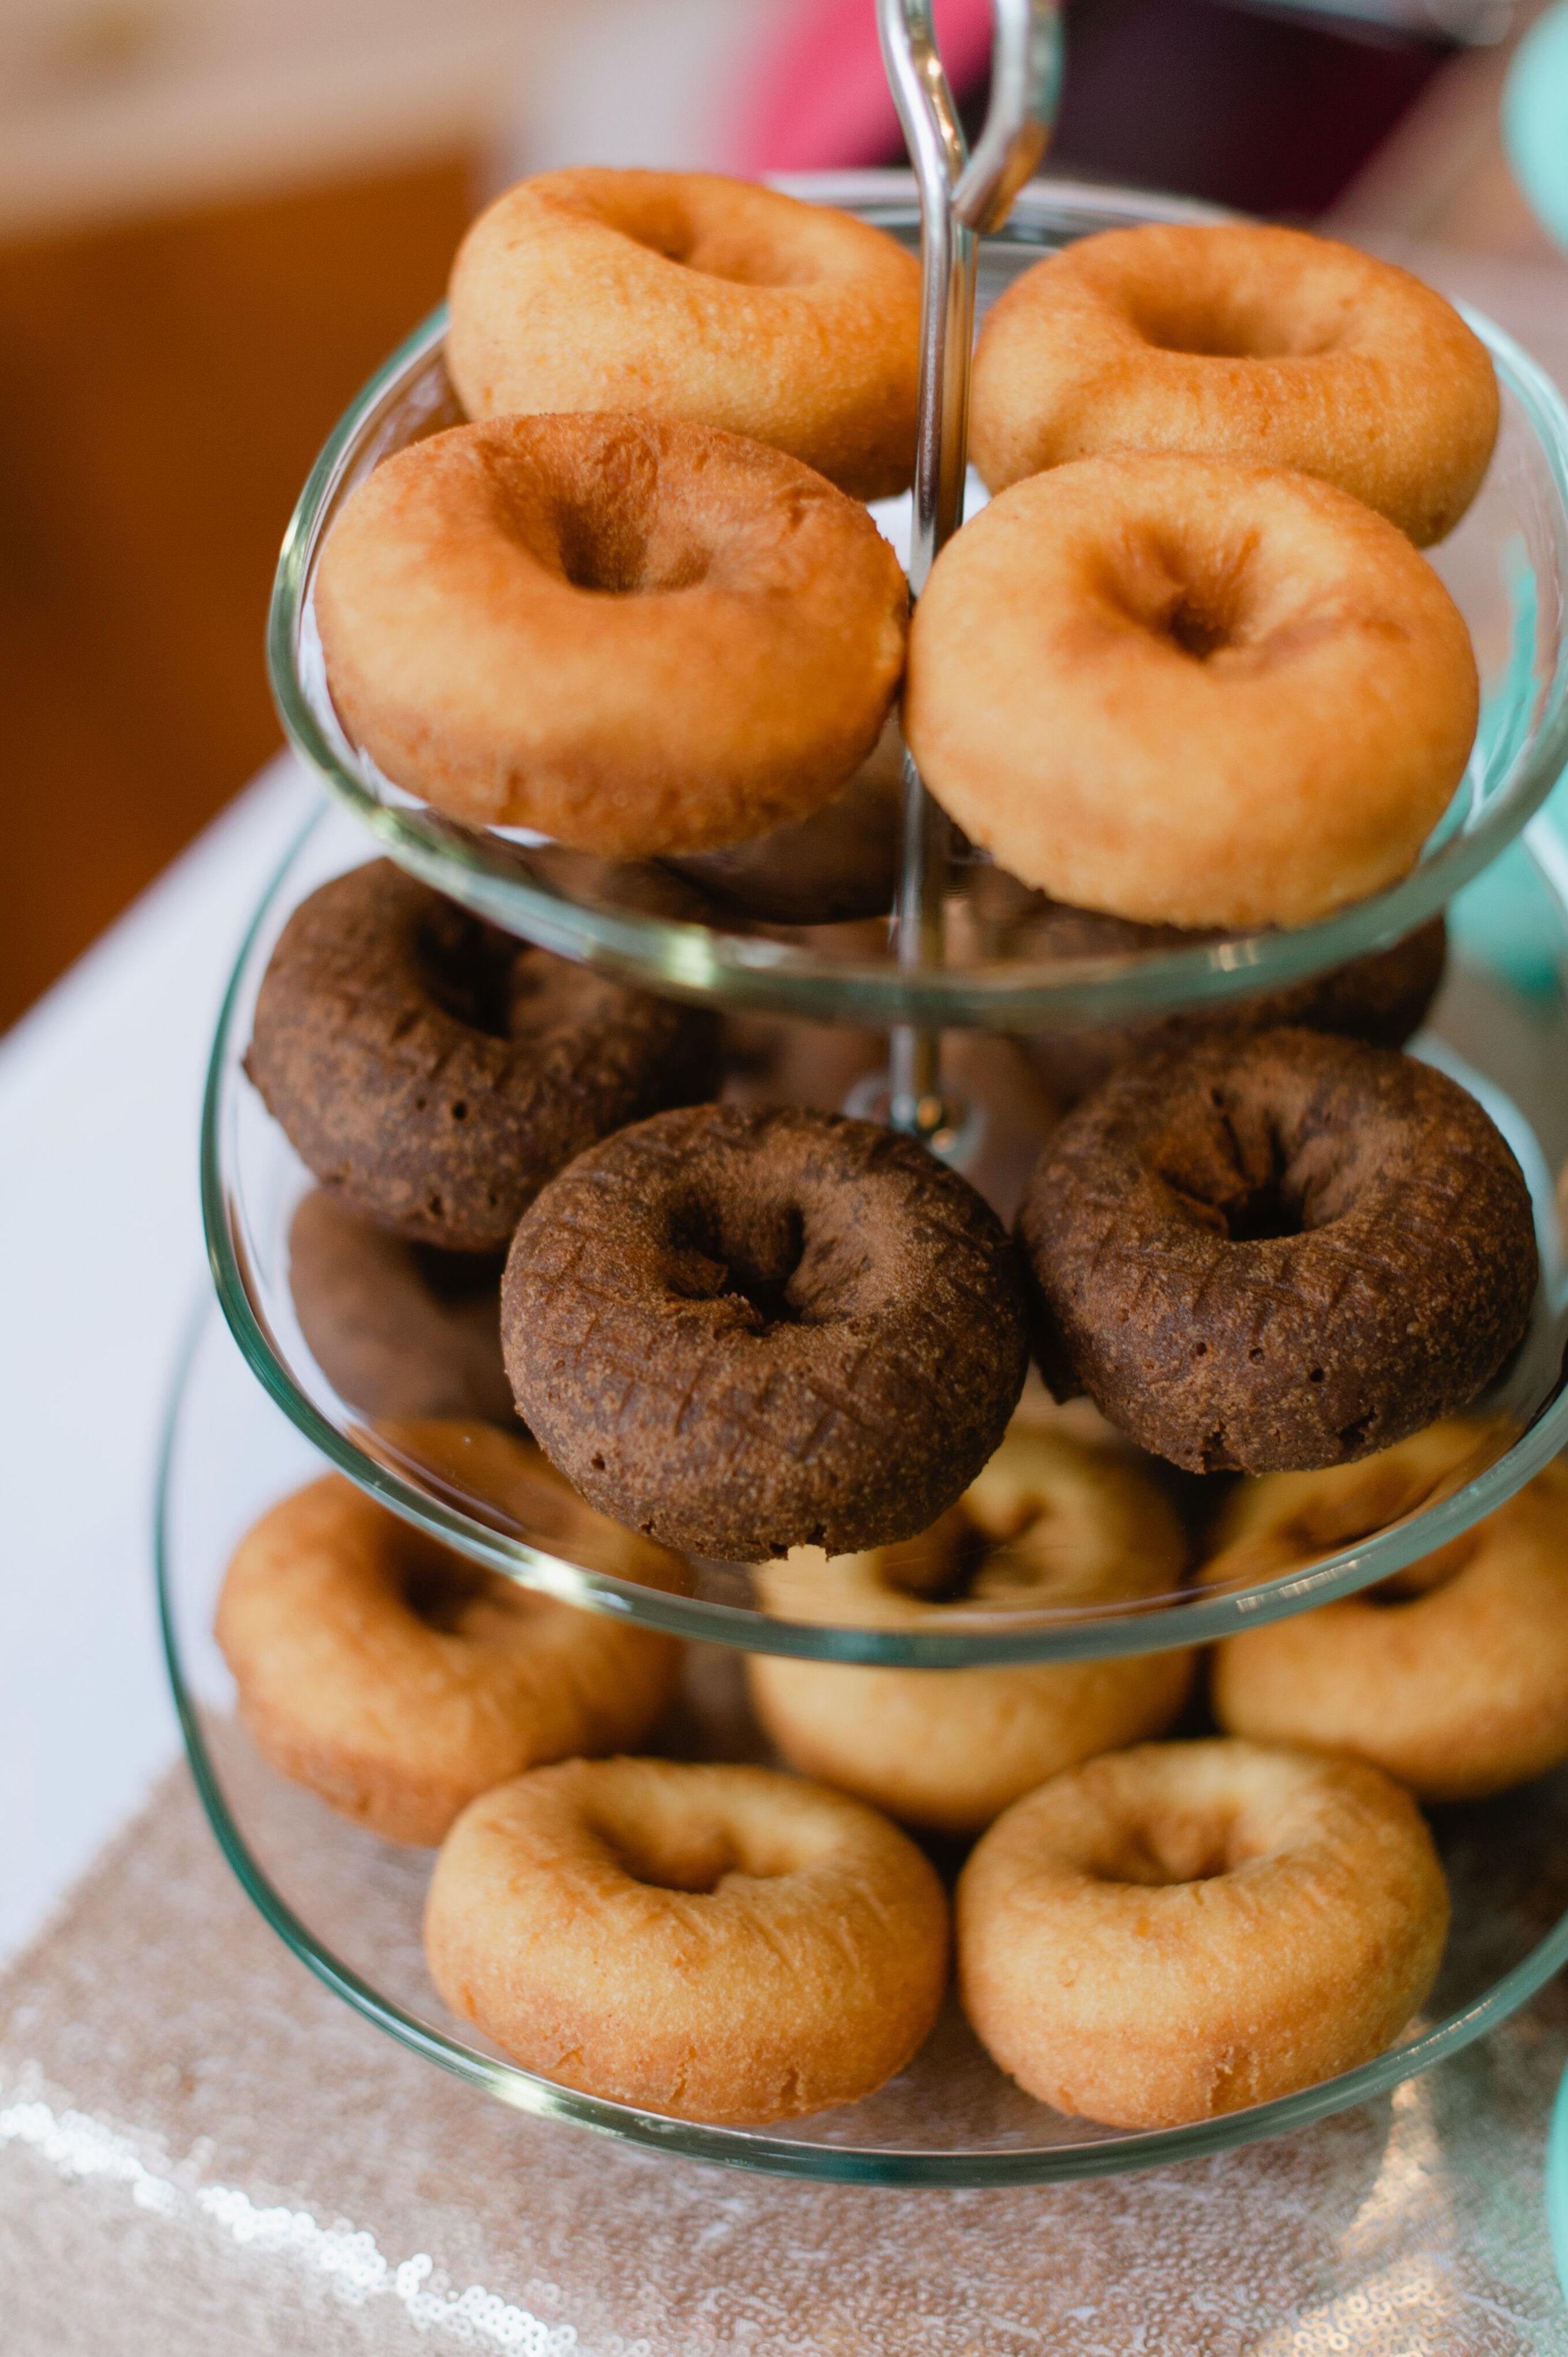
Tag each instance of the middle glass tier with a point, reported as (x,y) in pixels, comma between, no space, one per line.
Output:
(307,1299)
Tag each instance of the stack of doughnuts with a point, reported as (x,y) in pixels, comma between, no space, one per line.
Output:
(633,602)
(1188,669)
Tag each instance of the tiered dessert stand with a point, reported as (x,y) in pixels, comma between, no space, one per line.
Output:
(944,961)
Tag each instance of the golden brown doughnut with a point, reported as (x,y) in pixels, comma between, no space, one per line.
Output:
(1189,691)
(714,1942)
(1239,341)
(1453,1675)
(636,636)
(682,295)
(1183,1929)
(398,1679)
(1055,1522)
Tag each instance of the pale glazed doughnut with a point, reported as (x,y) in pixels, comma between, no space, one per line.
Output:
(398,1679)
(1239,341)
(682,295)
(636,636)
(1064,1523)
(1190,693)
(713,1942)
(1453,1675)
(1185,1929)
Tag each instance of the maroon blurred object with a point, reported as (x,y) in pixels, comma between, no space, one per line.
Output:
(820,100)
(1272,114)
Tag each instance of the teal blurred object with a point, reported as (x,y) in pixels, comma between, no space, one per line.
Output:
(1557,2184)
(1507,919)
(1535,118)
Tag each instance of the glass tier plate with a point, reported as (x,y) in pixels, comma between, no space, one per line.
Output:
(1511,1049)
(349,1905)
(1506,565)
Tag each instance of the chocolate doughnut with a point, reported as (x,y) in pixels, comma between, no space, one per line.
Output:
(838,863)
(398,1330)
(1381,997)
(741,1328)
(433,1072)
(1277,1252)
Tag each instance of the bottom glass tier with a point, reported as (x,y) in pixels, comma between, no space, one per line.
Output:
(349,1905)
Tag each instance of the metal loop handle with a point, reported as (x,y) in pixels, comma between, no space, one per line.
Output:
(962,198)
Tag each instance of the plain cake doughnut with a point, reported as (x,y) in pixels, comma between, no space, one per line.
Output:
(743,1329)
(1453,1675)
(634,635)
(1277,1251)
(398,1679)
(712,1942)
(1190,691)
(682,295)
(1240,341)
(1054,1523)
(1185,1929)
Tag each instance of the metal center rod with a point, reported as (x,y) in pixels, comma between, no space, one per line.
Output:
(961,196)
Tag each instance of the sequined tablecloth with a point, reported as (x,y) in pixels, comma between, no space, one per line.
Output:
(202,2152)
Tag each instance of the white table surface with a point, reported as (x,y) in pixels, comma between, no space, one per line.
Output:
(100,1267)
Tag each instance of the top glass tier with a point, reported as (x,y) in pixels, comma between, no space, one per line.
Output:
(1004,964)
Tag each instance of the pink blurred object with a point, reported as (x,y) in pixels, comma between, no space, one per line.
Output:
(815,96)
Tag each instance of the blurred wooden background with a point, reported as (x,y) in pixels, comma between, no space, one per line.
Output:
(214,222)
(165,389)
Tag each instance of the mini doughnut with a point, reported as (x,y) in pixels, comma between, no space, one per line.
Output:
(1382,998)
(1190,693)
(398,1679)
(1453,1675)
(1277,1252)
(398,1330)
(433,1072)
(741,1329)
(713,1942)
(638,636)
(1265,345)
(1183,1929)
(682,295)
(1053,1522)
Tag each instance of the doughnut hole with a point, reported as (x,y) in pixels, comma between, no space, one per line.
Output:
(659,1839)
(1239,323)
(687,219)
